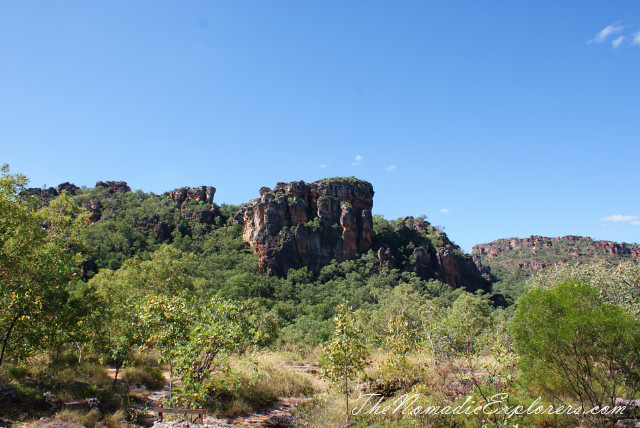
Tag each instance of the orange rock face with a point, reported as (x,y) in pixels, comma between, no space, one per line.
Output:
(298,224)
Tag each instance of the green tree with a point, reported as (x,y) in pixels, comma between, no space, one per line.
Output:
(467,319)
(399,342)
(574,346)
(220,328)
(145,304)
(166,321)
(39,256)
(345,356)
(618,284)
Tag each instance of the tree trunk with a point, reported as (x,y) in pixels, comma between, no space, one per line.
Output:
(115,377)
(6,337)
(346,394)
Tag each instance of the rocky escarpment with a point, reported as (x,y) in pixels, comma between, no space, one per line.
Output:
(114,186)
(93,206)
(538,252)
(199,194)
(51,192)
(431,255)
(458,270)
(298,224)
(202,214)
(572,246)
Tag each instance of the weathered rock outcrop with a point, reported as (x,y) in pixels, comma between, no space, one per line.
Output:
(161,229)
(204,216)
(459,270)
(436,257)
(200,194)
(298,224)
(49,193)
(114,186)
(385,257)
(571,247)
(70,188)
(94,208)
(516,259)
(52,192)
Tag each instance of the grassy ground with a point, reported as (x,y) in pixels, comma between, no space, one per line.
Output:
(256,382)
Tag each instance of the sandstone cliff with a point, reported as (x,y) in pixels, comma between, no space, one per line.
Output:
(52,192)
(538,252)
(298,224)
(203,214)
(416,246)
(114,186)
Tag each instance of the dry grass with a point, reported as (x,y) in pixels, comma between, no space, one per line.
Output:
(89,419)
(325,410)
(93,418)
(258,381)
(148,377)
(115,420)
(93,374)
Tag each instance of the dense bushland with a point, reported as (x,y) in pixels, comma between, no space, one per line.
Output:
(107,310)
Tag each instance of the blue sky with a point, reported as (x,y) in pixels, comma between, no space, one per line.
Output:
(494,119)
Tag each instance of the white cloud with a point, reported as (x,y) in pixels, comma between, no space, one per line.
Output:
(444,210)
(636,39)
(617,42)
(357,160)
(606,32)
(619,218)
(635,222)
(390,168)
(324,165)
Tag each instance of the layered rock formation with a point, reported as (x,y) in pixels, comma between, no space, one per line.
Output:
(515,259)
(298,224)
(114,186)
(185,194)
(52,192)
(203,215)
(444,262)
(459,270)
(94,208)
(573,247)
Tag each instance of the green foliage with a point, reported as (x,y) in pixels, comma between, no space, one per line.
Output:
(345,356)
(221,328)
(617,284)
(165,321)
(511,267)
(405,234)
(400,341)
(350,179)
(467,319)
(573,346)
(39,257)
(314,224)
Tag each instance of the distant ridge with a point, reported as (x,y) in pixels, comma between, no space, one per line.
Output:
(519,257)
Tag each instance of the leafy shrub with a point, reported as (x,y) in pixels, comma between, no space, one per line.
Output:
(575,346)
